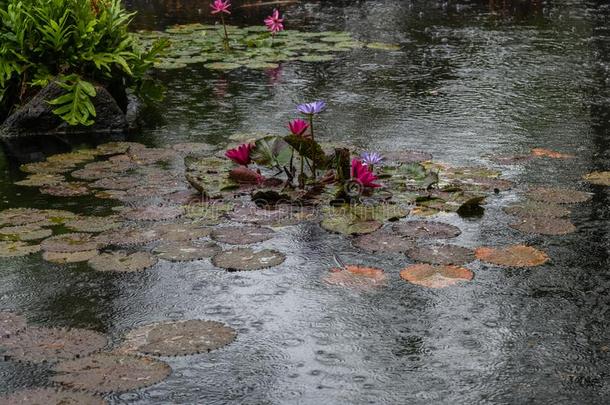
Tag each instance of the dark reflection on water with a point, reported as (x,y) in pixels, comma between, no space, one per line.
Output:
(472,78)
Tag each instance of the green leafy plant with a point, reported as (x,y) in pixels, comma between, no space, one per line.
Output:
(78,44)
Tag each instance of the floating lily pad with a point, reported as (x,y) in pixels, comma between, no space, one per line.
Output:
(348,226)
(529,208)
(41,179)
(599,178)
(93,224)
(152,213)
(57,217)
(24,233)
(207,214)
(254,215)
(383,46)
(512,256)
(558,195)
(426,230)
(69,257)
(245,259)
(356,276)
(316,58)
(66,189)
(178,338)
(16,249)
(73,158)
(46,167)
(21,216)
(261,65)
(50,396)
(129,236)
(70,242)
(38,344)
(359,219)
(541,152)
(11,323)
(222,66)
(177,232)
(242,235)
(434,276)
(441,254)
(117,148)
(383,241)
(117,183)
(122,262)
(511,159)
(186,250)
(544,225)
(105,372)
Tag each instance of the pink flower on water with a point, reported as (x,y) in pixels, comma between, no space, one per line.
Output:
(221,6)
(241,154)
(274,23)
(362,175)
(298,127)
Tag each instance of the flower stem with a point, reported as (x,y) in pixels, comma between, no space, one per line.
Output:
(224,26)
(313,170)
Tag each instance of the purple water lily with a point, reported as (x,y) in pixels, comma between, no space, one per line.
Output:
(371,158)
(312,108)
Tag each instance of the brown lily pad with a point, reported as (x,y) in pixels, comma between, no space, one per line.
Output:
(66,189)
(442,254)
(24,233)
(259,216)
(434,276)
(177,232)
(129,236)
(46,167)
(38,344)
(11,323)
(41,179)
(426,230)
(106,372)
(383,241)
(69,257)
(544,225)
(541,152)
(122,262)
(183,251)
(70,242)
(598,178)
(50,396)
(242,235)
(21,216)
(117,148)
(246,259)
(16,249)
(178,338)
(152,213)
(558,195)
(529,208)
(93,224)
(356,277)
(117,183)
(512,256)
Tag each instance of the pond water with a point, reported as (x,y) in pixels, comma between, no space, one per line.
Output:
(471,79)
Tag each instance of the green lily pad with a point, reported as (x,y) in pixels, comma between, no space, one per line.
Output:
(93,224)
(342,220)
(245,259)
(24,233)
(182,251)
(41,179)
(66,189)
(69,257)
(316,58)
(222,66)
(16,249)
(122,262)
(383,46)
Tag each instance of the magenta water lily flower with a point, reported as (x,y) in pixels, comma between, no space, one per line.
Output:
(221,6)
(362,175)
(371,158)
(312,108)
(241,154)
(298,127)
(274,23)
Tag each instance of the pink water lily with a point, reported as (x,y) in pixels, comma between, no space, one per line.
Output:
(241,154)
(221,6)
(298,127)
(362,175)
(274,23)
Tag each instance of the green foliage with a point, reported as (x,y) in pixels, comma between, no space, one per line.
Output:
(272,151)
(309,149)
(74,42)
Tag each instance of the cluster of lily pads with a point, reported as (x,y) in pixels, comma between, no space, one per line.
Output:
(251,47)
(84,366)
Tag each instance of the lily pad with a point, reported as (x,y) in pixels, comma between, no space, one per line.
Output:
(193,148)
(69,257)
(16,249)
(426,230)
(383,46)
(177,232)
(129,236)
(70,242)
(242,235)
(41,179)
(541,152)
(178,338)
(50,396)
(529,208)
(186,250)
(558,195)
(441,254)
(21,216)
(11,323)
(27,232)
(46,167)
(512,256)
(599,178)
(544,225)
(66,189)
(316,58)
(117,148)
(105,372)
(122,262)
(152,213)
(349,226)
(117,183)
(38,344)
(356,277)
(434,276)
(245,259)
(93,224)
(384,242)
(222,66)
